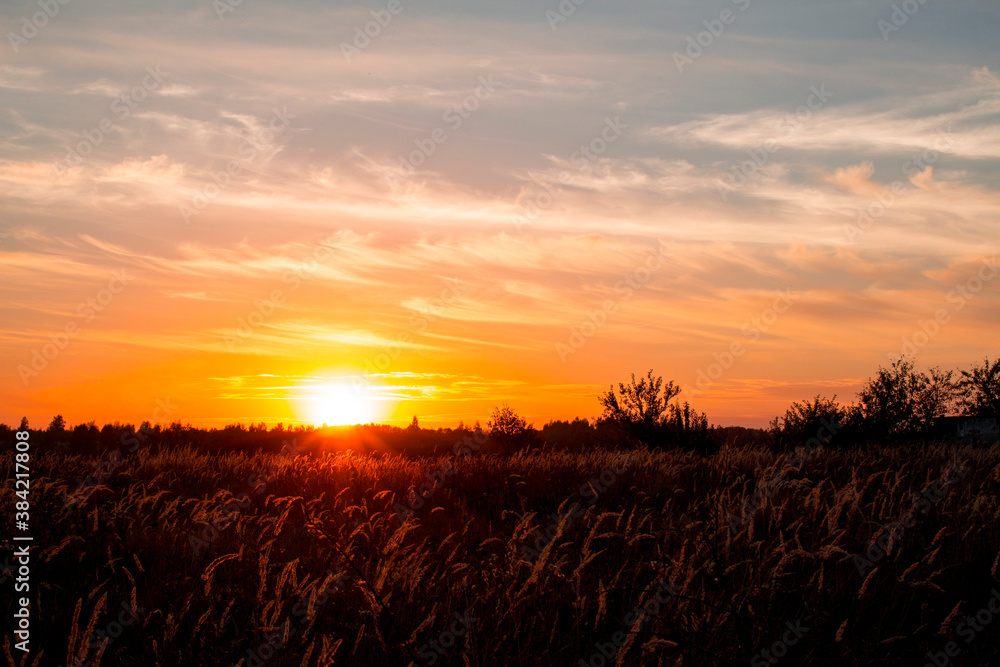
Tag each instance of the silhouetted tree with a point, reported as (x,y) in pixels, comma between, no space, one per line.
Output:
(508,429)
(900,402)
(804,420)
(938,397)
(643,410)
(57,425)
(85,438)
(578,435)
(639,407)
(24,424)
(980,388)
(686,427)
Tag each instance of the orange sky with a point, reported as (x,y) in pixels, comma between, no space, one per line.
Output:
(484,209)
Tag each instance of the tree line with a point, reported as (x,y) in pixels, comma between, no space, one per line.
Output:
(897,404)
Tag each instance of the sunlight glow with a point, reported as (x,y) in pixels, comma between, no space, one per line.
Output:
(341,405)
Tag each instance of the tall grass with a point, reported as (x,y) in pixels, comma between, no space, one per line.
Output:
(223,578)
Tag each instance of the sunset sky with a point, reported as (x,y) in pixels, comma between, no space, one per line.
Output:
(488,202)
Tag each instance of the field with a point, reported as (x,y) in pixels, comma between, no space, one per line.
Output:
(826,557)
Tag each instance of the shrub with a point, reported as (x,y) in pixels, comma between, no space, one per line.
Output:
(643,411)
(899,402)
(804,420)
(980,389)
(509,430)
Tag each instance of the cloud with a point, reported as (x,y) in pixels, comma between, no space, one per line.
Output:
(924,179)
(856,179)
(104,87)
(18,78)
(985,76)
(967,127)
(158,170)
(197,296)
(177,90)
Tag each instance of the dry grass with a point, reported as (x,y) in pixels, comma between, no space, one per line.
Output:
(262,575)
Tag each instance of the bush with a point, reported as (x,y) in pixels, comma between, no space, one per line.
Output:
(899,402)
(643,412)
(805,420)
(570,436)
(980,389)
(509,430)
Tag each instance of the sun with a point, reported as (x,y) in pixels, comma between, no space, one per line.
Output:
(341,405)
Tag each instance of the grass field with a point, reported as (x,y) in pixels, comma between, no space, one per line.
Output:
(653,558)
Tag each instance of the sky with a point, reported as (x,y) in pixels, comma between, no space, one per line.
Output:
(307,212)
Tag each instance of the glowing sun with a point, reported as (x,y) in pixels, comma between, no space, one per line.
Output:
(341,405)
